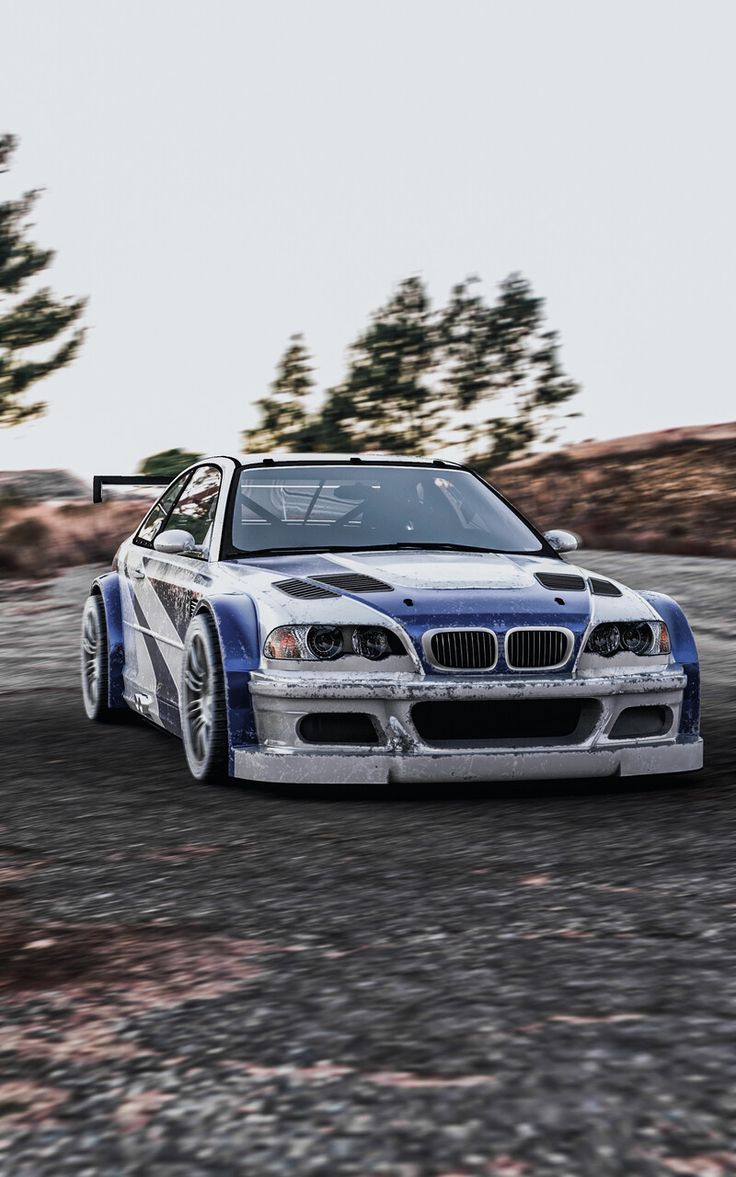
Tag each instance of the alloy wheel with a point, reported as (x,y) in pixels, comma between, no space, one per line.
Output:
(91,657)
(198,700)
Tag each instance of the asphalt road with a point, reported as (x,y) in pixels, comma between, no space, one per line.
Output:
(489,982)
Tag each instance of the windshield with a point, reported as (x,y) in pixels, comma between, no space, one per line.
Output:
(319,508)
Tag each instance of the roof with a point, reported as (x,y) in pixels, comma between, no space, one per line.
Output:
(285,456)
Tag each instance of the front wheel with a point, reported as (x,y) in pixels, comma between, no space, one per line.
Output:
(95,672)
(203,708)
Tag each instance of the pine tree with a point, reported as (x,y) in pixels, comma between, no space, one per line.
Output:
(168,462)
(386,401)
(331,429)
(466,331)
(487,377)
(284,414)
(28,319)
(503,352)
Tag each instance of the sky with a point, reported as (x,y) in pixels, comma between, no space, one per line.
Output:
(220,174)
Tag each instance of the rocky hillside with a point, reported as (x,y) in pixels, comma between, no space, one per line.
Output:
(33,486)
(672,491)
(38,540)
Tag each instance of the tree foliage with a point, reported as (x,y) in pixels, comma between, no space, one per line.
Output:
(488,377)
(503,353)
(29,319)
(386,400)
(168,462)
(285,420)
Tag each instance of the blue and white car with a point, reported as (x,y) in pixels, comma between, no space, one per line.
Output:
(367,618)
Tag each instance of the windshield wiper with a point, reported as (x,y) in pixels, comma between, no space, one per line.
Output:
(401,546)
(296,551)
(404,546)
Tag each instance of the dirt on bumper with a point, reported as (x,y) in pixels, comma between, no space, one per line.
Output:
(401,754)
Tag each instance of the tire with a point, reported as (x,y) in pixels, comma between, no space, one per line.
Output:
(203,706)
(94,661)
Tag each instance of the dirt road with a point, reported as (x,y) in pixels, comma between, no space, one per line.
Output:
(513,982)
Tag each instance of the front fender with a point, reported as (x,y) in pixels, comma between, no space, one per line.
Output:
(236,622)
(108,588)
(684,651)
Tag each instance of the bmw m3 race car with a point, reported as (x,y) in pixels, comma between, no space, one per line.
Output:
(329,618)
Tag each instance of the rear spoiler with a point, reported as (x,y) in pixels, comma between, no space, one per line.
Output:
(100,480)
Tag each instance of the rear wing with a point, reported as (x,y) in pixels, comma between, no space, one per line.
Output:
(100,480)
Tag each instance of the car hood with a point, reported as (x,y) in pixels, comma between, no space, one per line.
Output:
(441,570)
(428,590)
(417,570)
(424,571)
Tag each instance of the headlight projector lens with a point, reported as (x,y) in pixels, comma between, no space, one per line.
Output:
(605,640)
(371,643)
(325,641)
(636,637)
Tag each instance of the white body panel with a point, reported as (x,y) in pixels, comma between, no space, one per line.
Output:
(161,592)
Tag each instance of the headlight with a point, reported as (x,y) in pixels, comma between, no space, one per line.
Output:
(643,638)
(325,643)
(636,637)
(371,643)
(288,641)
(605,640)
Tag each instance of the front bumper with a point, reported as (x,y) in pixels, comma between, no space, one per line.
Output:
(282,699)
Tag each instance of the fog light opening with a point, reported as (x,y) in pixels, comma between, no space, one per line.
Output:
(639,722)
(337,727)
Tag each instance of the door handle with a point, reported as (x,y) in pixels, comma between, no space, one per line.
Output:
(137,573)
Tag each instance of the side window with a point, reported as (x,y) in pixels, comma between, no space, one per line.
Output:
(153,521)
(194,510)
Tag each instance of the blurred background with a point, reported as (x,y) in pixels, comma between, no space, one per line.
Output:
(494,231)
(494,235)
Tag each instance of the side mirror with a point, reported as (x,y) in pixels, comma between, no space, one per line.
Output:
(561,541)
(174,542)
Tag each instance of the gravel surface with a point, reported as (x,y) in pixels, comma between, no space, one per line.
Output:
(483,982)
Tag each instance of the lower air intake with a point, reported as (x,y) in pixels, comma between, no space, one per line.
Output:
(337,727)
(640,722)
(537,649)
(505,722)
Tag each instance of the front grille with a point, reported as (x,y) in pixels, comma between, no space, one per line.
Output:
(498,723)
(604,588)
(303,589)
(355,582)
(535,649)
(561,580)
(463,649)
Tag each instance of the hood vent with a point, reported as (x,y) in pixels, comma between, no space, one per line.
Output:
(561,580)
(303,589)
(355,582)
(604,588)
